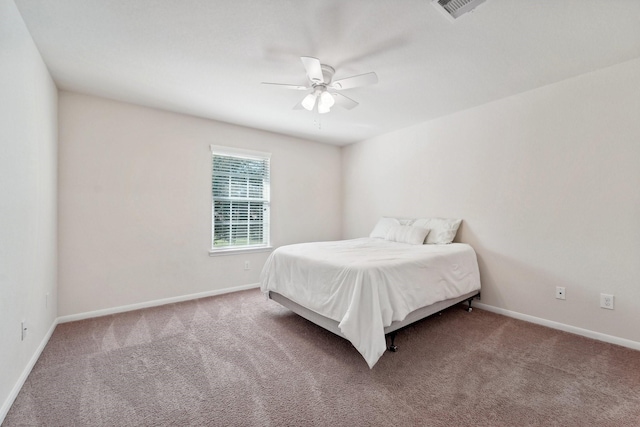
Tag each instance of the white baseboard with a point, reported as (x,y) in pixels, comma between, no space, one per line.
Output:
(4,410)
(561,326)
(154,303)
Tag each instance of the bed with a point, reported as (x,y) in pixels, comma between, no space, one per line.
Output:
(362,289)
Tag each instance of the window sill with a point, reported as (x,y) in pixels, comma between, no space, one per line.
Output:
(236,251)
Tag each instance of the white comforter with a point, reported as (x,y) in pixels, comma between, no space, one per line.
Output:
(365,284)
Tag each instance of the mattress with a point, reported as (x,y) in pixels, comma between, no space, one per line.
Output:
(366,284)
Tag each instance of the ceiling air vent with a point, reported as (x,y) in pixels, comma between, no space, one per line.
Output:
(453,9)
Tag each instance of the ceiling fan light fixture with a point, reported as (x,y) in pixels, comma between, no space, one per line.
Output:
(327,99)
(309,101)
(325,102)
(322,109)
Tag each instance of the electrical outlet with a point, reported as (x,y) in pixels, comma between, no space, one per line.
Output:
(23,330)
(247,265)
(560,292)
(606,301)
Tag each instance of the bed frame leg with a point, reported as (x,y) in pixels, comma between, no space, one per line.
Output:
(393,347)
(469,308)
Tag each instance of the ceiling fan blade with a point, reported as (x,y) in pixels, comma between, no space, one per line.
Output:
(355,81)
(287,86)
(344,101)
(313,67)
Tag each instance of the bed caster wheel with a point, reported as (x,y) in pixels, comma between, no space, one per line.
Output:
(469,309)
(393,348)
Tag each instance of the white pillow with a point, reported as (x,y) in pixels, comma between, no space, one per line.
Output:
(443,230)
(383,225)
(407,234)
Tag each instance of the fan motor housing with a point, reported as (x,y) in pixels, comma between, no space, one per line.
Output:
(327,73)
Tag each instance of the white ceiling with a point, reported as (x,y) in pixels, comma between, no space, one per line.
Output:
(208,57)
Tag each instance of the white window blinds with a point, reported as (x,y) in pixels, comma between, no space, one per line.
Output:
(240,189)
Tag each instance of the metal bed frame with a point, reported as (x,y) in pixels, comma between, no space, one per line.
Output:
(391,330)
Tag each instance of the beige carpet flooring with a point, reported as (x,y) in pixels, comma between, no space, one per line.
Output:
(239,359)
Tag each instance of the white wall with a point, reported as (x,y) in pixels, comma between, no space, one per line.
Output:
(547,184)
(28,134)
(135,202)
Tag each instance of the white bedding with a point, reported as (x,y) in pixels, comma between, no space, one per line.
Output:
(365,284)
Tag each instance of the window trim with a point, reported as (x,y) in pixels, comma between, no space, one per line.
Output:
(237,250)
(248,154)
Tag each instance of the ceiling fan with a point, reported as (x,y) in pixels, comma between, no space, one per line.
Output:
(324,89)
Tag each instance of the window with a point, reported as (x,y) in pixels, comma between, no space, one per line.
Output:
(240,207)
